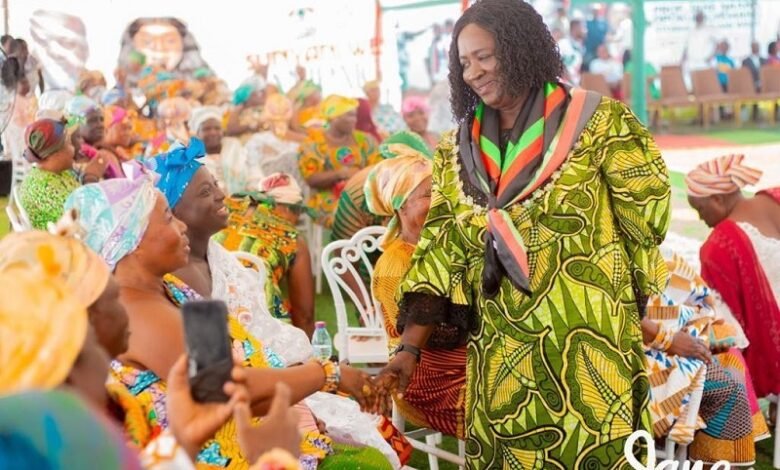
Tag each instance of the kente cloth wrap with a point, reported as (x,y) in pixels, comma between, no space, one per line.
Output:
(84,273)
(535,148)
(723,175)
(114,214)
(177,168)
(43,138)
(389,185)
(34,314)
(728,409)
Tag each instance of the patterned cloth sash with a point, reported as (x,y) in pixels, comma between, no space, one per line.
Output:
(543,134)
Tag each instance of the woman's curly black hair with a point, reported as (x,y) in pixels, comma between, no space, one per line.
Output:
(525,50)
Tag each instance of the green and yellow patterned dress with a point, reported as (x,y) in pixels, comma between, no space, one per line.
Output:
(557,379)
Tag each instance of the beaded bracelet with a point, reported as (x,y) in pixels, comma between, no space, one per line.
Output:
(332,375)
(663,340)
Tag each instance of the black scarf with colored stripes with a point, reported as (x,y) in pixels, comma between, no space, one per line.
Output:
(502,173)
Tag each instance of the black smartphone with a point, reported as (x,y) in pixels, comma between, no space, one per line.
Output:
(208,349)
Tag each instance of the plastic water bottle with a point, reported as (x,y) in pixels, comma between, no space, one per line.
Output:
(321,342)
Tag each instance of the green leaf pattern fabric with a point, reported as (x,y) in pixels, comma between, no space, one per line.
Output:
(557,379)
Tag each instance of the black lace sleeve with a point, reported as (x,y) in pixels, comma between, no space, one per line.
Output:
(453,322)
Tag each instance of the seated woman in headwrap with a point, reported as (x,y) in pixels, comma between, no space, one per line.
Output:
(352,213)
(129,223)
(172,114)
(39,307)
(91,83)
(87,277)
(119,137)
(88,119)
(386,118)
(415,111)
(246,116)
(306,97)
(51,104)
(740,260)
(365,122)
(275,150)
(329,157)
(52,178)
(264,223)
(400,188)
(225,158)
(212,272)
(689,347)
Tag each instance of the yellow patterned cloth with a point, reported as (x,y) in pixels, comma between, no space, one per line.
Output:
(42,330)
(317,155)
(556,379)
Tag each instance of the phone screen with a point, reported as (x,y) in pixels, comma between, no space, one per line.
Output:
(208,348)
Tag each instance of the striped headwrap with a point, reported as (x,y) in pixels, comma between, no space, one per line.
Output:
(389,185)
(543,134)
(723,175)
(43,138)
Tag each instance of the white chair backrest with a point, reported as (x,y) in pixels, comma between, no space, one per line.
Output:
(344,258)
(20,222)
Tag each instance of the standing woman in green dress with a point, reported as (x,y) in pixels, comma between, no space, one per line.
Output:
(547,209)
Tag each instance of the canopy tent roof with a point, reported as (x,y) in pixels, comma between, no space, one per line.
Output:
(388,5)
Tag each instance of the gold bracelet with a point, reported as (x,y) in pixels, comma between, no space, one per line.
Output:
(332,375)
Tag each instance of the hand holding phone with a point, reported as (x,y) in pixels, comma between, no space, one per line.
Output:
(208,348)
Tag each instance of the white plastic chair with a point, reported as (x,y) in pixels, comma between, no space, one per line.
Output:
(20,222)
(365,344)
(680,454)
(344,258)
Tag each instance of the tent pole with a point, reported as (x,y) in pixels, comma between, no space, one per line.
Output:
(639,77)
(6,29)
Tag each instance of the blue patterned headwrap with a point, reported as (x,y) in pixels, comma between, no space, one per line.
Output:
(114,214)
(177,168)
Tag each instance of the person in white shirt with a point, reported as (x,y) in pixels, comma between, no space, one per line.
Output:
(700,46)
(572,50)
(607,66)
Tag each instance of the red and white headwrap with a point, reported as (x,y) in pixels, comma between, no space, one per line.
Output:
(723,175)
